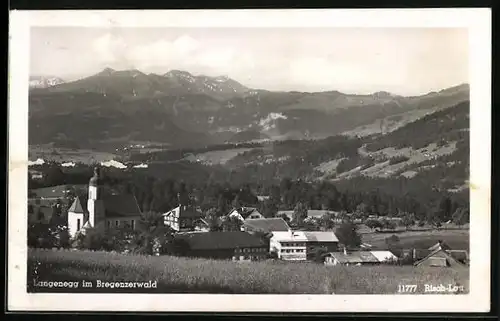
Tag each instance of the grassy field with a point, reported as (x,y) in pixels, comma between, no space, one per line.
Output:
(456,239)
(183,275)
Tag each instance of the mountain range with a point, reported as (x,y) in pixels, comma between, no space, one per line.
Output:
(112,108)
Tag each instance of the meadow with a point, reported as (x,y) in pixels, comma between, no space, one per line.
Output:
(457,239)
(185,275)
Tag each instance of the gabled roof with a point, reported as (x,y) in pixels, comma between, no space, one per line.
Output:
(245,211)
(439,245)
(221,240)
(384,255)
(459,255)
(78,206)
(447,256)
(121,205)
(355,257)
(267,224)
(316,236)
(185,212)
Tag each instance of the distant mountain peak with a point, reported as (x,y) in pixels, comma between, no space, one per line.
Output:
(382,94)
(44,81)
(107,71)
(221,78)
(176,72)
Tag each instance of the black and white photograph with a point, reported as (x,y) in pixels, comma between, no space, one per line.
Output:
(169,157)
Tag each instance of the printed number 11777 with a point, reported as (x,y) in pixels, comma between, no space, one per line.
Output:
(407,288)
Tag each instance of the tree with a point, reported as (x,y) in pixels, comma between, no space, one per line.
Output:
(54,176)
(348,234)
(461,216)
(152,232)
(327,221)
(408,220)
(299,213)
(213,220)
(236,201)
(231,224)
(373,224)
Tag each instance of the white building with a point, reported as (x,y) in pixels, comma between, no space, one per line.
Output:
(302,245)
(290,246)
(103,209)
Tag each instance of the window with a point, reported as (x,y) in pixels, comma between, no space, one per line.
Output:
(117,223)
(132,224)
(78,222)
(109,224)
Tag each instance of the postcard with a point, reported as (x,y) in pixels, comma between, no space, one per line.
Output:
(250,160)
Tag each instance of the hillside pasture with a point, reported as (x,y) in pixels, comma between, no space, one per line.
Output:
(62,155)
(384,168)
(184,275)
(216,156)
(457,239)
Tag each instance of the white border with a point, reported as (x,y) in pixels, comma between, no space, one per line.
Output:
(478,21)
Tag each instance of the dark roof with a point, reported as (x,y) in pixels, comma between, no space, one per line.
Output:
(78,206)
(441,245)
(267,224)
(121,205)
(221,240)
(459,255)
(190,212)
(421,253)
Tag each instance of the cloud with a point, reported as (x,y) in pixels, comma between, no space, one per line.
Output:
(109,48)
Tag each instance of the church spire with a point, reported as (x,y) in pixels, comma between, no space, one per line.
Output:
(95,180)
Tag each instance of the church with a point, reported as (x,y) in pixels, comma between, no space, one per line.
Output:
(103,208)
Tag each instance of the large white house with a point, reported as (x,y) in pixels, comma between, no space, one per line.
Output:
(104,208)
(301,245)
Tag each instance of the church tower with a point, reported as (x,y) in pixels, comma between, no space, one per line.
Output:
(95,204)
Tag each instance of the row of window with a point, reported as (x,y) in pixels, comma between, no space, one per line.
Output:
(251,250)
(287,244)
(127,223)
(246,257)
(130,223)
(293,251)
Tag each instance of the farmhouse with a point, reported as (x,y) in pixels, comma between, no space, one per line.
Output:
(184,218)
(104,208)
(237,246)
(265,225)
(359,258)
(440,255)
(301,245)
(245,213)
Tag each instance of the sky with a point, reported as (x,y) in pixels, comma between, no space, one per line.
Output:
(405,61)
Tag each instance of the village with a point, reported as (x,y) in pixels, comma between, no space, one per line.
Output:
(243,234)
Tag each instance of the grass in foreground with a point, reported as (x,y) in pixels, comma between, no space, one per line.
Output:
(183,275)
